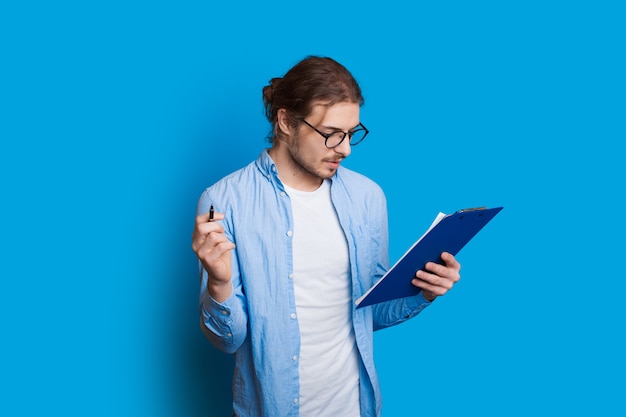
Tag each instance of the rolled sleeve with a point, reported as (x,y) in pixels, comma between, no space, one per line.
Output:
(226,322)
(414,305)
(395,312)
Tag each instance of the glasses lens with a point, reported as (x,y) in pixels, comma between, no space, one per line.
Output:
(357,136)
(334,139)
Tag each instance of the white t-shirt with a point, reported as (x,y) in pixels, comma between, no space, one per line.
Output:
(329,364)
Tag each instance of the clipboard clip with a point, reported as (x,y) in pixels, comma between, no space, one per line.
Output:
(472,209)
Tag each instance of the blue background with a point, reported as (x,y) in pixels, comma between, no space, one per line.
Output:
(116,115)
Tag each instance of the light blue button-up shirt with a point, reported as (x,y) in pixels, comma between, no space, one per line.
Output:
(258,322)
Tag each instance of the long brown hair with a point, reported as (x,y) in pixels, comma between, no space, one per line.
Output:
(314,80)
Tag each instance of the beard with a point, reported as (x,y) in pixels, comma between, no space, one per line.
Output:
(303,162)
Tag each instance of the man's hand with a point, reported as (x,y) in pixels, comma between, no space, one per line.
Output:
(213,249)
(435,279)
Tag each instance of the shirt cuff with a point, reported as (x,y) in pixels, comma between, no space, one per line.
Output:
(219,311)
(414,305)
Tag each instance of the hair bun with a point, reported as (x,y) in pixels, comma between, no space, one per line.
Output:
(268,91)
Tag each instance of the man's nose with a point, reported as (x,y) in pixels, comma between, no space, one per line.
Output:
(344,147)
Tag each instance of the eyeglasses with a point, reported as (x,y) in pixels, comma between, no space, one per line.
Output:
(335,139)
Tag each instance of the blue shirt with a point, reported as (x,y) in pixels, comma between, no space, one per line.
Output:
(257,322)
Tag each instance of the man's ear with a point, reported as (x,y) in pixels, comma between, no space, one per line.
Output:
(282,121)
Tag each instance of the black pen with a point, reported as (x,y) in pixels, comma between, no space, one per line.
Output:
(211,213)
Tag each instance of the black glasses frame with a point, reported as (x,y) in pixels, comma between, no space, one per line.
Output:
(326,136)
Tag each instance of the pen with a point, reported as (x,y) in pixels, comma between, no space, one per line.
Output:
(211,213)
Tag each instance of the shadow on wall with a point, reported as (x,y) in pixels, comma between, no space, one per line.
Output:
(201,375)
(204,373)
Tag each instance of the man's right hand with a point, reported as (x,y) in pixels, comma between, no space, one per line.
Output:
(213,249)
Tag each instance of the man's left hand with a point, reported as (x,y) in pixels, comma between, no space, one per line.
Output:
(435,279)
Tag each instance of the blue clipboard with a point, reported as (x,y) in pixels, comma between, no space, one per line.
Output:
(450,234)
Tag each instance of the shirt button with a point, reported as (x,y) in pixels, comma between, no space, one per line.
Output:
(282,194)
(294,358)
(290,276)
(293,315)
(289,233)
(224,312)
(295,401)
(274,168)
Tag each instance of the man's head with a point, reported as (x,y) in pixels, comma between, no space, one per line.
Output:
(312,82)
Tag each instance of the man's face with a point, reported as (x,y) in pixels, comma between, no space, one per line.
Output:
(306,147)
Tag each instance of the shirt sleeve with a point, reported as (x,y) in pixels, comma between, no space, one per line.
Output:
(398,311)
(225,323)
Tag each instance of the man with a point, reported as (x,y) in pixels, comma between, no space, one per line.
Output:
(295,239)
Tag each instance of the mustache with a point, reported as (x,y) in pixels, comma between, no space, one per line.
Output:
(338,157)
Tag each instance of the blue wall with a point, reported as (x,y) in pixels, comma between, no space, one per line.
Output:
(116,115)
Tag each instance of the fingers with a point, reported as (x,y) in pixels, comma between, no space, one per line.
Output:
(209,235)
(213,249)
(438,279)
(202,232)
(450,261)
(436,283)
(203,227)
(204,217)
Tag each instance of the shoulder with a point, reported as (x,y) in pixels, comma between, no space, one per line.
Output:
(229,189)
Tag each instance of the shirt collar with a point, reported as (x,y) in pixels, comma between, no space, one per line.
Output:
(266,165)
